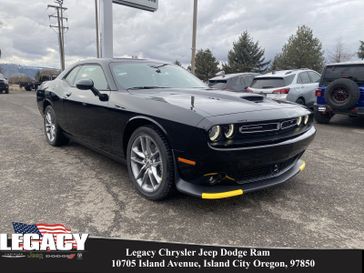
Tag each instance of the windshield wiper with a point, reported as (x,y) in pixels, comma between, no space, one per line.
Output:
(146,87)
(158,66)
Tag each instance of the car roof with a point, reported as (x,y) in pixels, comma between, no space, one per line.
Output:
(347,63)
(233,75)
(282,73)
(117,60)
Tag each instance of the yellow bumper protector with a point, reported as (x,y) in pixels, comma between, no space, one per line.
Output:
(222,195)
(303,166)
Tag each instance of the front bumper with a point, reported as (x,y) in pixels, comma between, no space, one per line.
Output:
(219,192)
(240,170)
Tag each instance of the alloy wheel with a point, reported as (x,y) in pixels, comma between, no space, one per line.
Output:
(146,163)
(50,126)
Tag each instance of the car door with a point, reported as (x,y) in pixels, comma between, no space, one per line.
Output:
(315,79)
(304,85)
(87,116)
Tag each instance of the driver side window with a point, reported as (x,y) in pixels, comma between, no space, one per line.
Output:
(94,73)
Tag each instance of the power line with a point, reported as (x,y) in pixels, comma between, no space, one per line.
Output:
(59,27)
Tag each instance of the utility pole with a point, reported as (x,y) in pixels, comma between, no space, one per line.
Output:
(97,29)
(59,27)
(194,31)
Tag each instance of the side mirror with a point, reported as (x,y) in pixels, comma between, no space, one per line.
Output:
(85,84)
(89,85)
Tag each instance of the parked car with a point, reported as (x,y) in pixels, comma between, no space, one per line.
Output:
(4,84)
(173,131)
(27,83)
(232,82)
(341,91)
(297,85)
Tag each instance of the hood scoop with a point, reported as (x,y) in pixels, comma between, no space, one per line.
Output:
(253,98)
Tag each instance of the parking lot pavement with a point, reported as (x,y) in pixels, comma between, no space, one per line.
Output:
(321,208)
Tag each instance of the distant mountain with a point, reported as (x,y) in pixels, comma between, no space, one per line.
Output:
(15,69)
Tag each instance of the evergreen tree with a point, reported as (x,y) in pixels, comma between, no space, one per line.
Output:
(206,65)
(246,56)
(302,50)
(361,50)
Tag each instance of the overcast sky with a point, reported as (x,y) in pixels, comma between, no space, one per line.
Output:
(25,36)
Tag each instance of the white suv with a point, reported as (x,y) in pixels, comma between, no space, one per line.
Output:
(296,85)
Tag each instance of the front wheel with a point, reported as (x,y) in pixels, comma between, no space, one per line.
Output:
(150,163)
(53,132)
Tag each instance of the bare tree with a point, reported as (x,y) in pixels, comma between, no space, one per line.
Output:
(339,53)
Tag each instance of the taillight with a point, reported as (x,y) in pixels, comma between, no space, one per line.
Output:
(281,91)
(318,92)
(248,89)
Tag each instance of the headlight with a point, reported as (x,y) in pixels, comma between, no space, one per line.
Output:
(299,121)
(214,133)
(229,131)
(305,119)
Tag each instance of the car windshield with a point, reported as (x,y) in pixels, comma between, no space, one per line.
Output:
(354,72)
(272,82)
(153,75)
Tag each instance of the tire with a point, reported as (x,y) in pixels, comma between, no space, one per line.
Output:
(300,101)
(141,163)
(52,131)
(323,118)
(7,91)
(28,88)
(342,94)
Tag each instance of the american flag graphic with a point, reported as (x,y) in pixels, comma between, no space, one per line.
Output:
(42,229)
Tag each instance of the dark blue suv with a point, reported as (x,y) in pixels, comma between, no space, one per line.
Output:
(341,91)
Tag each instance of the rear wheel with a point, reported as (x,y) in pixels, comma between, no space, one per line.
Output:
(53,132)
(150,163)
(300,101)
(323,118)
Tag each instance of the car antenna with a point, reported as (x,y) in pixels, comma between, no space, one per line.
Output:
(192,102)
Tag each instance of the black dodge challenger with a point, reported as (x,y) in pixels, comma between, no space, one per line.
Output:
(173,131)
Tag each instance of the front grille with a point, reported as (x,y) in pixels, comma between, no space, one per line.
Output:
(259,128)
(264,172)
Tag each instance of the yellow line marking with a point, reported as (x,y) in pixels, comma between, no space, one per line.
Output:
(222,195)
(303,166)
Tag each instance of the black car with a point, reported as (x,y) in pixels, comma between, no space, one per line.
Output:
(173,131)
(4,85)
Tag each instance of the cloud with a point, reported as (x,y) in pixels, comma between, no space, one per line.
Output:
(25,36)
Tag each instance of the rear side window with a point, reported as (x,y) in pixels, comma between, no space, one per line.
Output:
(315,77)
(95,73)
(272,82)
(71,76)
(304,78)
(353,72)
(219,84)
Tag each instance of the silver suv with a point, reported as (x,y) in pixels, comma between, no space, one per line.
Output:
(297,85)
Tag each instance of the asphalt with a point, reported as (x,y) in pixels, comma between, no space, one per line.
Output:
(87,192)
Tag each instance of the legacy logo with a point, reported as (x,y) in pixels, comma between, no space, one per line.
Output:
(42,237)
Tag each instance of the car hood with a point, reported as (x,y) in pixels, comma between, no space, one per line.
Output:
(211,102)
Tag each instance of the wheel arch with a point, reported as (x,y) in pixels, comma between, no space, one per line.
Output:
(137,122)
(46,102)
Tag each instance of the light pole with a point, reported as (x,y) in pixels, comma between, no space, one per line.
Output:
(97,30)
(194,31)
